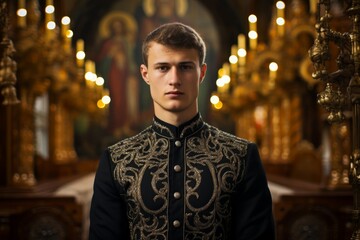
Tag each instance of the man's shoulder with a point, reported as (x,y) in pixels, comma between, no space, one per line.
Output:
(130,143)
(226,136)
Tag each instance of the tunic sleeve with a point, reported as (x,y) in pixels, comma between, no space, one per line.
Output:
(252,215)
(108,218)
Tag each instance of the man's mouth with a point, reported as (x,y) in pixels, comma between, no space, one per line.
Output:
(174,93)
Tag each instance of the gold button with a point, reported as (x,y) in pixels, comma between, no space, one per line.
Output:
(178,143)
(177,195)
(176,223)
(177,168)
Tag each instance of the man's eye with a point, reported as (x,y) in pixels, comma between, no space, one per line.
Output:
(186,67)
(162,68)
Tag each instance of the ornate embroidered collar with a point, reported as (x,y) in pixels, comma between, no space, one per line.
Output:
(181,131)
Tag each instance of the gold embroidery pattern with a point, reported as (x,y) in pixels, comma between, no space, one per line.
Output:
(213,159)
(163,129)
(197,124)
(214,163)
(136,161)
(192,127)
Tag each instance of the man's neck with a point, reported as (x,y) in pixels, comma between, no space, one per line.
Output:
(175,119)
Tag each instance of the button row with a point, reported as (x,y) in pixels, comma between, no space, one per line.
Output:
(177,195)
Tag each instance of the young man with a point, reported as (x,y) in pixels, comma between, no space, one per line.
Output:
(180,178)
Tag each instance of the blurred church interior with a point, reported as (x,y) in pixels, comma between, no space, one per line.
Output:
(283,74)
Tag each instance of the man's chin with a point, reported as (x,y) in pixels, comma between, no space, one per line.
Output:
(176,109)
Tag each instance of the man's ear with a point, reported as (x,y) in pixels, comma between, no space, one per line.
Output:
(144,73)
(203,72)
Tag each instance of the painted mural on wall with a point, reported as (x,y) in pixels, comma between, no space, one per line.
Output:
(117,54)
(114,60)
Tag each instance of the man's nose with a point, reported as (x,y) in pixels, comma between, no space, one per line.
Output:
(175,76)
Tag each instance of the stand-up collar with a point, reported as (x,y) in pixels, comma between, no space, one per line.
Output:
(181,131)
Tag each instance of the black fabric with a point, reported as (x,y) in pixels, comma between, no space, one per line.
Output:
(220,192)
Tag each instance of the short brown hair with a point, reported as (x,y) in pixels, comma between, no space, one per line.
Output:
(176,35)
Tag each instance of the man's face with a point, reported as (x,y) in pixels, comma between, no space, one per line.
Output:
(174,76)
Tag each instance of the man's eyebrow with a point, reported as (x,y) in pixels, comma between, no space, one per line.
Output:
(161,63)
(179,63)
(187,62)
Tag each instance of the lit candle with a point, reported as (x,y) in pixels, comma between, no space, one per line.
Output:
(233,59)
(273,67)
(93,70)
(87,66)
(226,77)
(94,75)
(21,12)
(241,41)
(106,96)
(67,40)
(100,83)
(65,26)
(234,50)
(219,82)
(242,49)
(80,54)
(280,6)
(80,45)
(252,31)
(65,33)
(90,71)
(280,18)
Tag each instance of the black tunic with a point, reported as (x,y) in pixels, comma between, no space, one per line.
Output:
(188,182)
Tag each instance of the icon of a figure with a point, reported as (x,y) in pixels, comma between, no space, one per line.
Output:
(114,59)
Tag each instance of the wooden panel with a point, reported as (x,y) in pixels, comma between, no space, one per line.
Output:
(28,213)
(320,217)
(40,218)
(311,211)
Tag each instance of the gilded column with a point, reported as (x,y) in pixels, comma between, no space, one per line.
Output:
(285,129)
(276,134)
(8,67)
(295,131)
(32,83)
